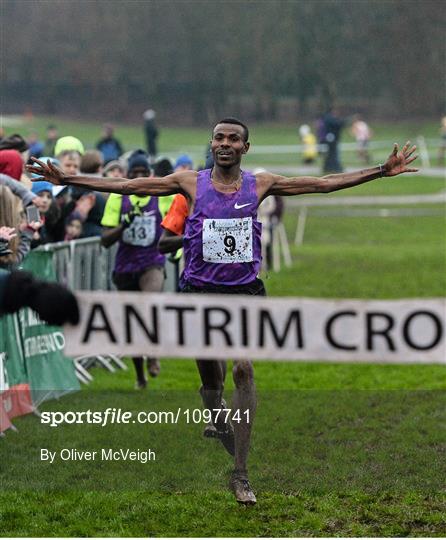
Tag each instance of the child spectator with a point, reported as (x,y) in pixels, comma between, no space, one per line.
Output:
(49,212)
(73,227)
(44,190)
(70,161)
(69,143)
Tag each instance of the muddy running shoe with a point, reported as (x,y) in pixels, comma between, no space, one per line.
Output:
(239,485)
(210,431)
(154,367)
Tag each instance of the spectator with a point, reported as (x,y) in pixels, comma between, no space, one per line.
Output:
(92,163)
(68,143)
(35,146)
(52,135)
(109,145)
(171,239)
(14,142)
(20,190)
(173,225)
(362,134)
(184,163)
(19,232)
(90,204)
(44,190)
(333,125)
(163,167)
(68,151)
(73,227)
(115,169)
(309,143)
(70,162)
(11,163)
(6,235)
(151,133)
(53,208)
(49,213)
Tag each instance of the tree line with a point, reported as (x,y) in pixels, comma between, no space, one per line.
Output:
(195,60)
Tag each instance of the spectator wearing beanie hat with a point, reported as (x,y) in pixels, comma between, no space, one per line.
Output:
(184,163)
(68,144)
(11,163)
(45,191)
(68,151)
(114,169)
(138,164)
(49,210)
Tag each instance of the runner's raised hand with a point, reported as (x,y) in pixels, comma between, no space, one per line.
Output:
(46,171)
(397,161)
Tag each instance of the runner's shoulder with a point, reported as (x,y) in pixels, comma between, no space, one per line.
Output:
(187,180)
(265,178)
(185,176)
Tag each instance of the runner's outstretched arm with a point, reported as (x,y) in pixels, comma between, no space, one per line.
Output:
(137,186)
(396,164)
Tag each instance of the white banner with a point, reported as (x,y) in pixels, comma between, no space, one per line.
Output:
(246,327)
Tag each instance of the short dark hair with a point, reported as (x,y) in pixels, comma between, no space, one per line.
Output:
(231,120)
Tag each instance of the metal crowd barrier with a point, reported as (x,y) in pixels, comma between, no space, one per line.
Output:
(85,265)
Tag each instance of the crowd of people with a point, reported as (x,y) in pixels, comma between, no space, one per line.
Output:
(34,212)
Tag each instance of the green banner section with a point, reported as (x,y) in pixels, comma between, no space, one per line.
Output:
(50,373)
(11,345)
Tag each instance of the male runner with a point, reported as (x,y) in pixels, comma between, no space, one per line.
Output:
(134,222)
(222,244)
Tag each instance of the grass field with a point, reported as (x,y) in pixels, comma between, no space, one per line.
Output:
(338,449)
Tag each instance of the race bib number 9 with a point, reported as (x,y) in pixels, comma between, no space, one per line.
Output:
(142,231)
(227,240)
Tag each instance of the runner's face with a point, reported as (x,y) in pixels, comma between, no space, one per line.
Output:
(228,144)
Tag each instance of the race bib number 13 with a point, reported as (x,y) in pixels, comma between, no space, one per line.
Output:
(141,232)
(227,240)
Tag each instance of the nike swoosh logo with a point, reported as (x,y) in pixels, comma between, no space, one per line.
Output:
(238,206)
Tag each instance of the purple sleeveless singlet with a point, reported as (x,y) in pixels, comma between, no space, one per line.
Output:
(138,257)
(222,239)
